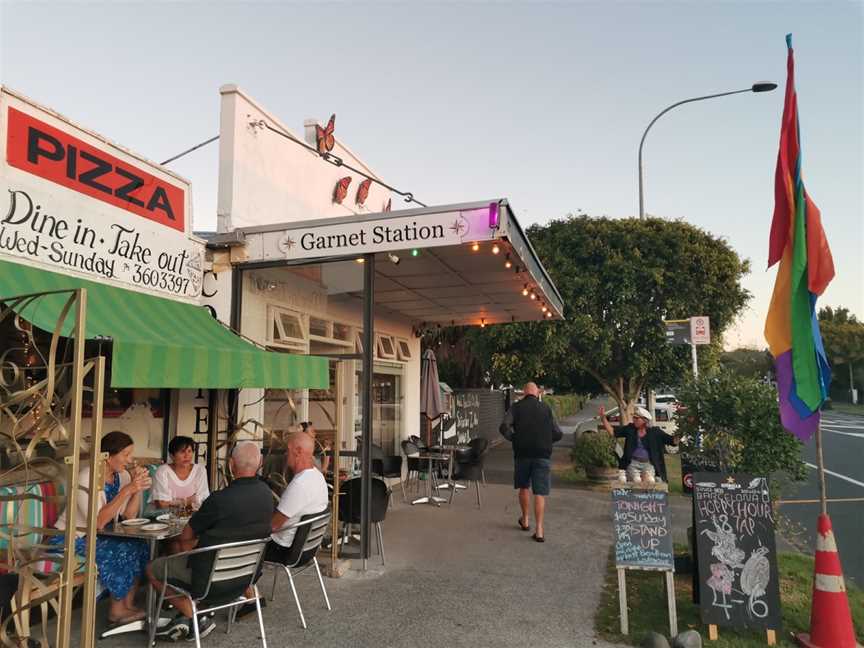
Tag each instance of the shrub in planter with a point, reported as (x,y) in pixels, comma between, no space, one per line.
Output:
(594,450)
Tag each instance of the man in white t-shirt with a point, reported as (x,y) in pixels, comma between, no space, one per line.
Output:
(307,493)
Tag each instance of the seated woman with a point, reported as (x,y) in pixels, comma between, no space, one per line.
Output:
(182,478)
(121,562)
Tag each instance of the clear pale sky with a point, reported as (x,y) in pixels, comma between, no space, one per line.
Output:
(541,103)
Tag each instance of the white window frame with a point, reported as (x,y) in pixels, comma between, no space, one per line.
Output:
(274,317)
(379,346)
(408,355)
(329,339)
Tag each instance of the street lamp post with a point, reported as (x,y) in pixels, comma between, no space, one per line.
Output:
(764,86)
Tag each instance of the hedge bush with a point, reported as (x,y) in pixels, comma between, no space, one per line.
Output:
(565,405)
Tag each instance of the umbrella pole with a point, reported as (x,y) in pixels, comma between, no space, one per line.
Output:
(366,439)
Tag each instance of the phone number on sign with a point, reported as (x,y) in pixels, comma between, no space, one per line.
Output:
(161,279)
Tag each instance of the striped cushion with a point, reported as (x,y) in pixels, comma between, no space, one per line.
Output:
(29,512)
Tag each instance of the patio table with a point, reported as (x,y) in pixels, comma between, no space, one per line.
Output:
(119,530)
(432,457)
(451,450)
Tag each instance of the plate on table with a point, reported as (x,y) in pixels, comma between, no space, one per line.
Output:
(134,522)
(154,526)
(165,517)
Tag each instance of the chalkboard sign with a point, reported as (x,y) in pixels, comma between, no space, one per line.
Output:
(734,525)
(467,414)
(643,528)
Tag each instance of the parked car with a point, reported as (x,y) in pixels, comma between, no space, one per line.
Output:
(664,418)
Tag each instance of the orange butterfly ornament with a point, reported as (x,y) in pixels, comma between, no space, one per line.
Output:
(341,189)
(325,138)
(363,191)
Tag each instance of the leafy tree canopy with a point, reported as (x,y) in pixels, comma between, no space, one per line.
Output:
(619,278)
(749,363)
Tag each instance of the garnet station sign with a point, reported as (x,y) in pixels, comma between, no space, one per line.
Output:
(385,234)
(71,201)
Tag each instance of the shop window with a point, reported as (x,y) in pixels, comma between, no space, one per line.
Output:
(341,332)
(286,330)
(386,348)
(403,350)
(319,327)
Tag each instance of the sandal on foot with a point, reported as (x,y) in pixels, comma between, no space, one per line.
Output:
(539,538)
(524,527)
(129,618)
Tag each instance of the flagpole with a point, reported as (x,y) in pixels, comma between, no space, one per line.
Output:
(820,461)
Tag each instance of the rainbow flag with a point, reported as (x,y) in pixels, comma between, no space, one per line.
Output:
(806,268)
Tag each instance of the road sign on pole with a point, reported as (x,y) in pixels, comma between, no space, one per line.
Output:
(700,330)
(677,331)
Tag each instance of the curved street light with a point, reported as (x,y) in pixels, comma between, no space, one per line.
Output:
(761,86)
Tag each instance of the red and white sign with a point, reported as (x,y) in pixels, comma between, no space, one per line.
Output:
(700,330)
(73,202)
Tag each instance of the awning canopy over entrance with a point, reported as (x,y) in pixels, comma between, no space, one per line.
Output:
(450,265)
(158,342)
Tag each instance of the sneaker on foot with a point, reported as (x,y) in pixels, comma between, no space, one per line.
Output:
(175,630)
(206,625)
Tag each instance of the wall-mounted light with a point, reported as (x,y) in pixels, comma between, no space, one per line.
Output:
(475,246)
(507,262)
(360,260)
(393,258)
(495,249)
(415,252)
(525,290)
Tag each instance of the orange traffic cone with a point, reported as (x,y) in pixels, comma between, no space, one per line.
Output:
(830,619)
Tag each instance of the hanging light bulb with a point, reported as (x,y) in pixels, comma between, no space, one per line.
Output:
(475,246)
(525,290)
(543,308)
(507,263)
(482,322)
(548,313)
(533,295)
(495,249)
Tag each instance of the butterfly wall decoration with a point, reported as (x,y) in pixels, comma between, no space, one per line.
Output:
(341,189)
(326,140)
(363,191)
(387,206)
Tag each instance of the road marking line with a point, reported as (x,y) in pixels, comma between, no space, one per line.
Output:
(838,425)
(860,435)
(837,475)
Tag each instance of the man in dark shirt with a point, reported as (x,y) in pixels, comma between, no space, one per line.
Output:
(531,426)
(644,456)
(242,511)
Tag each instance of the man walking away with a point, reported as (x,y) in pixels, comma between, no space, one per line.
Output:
(531,427)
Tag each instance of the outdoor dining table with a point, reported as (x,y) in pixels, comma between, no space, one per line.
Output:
(451,450)
(120,530)
(432,457)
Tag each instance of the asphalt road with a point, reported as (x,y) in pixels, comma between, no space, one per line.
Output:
(843,449)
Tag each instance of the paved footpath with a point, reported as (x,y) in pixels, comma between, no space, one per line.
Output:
(457,576)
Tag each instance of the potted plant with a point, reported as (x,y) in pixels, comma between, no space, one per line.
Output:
(594,452)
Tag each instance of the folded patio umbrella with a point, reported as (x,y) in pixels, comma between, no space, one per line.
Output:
(430,392)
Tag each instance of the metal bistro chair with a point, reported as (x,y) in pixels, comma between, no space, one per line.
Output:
(468,467)
(233,561)
(415,464)
(352,503)
(389,467)
(480,446)
(308,535)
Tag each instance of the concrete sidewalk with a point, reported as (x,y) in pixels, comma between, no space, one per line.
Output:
(457,576)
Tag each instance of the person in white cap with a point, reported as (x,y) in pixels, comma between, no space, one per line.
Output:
(643,446)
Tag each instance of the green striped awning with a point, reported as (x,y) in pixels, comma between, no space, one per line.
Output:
(158,342)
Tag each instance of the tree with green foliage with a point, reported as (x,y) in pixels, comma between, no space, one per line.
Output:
(749,363)
(733,424)
(620,279)
(843,337)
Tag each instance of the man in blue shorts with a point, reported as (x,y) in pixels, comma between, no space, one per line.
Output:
(531,427)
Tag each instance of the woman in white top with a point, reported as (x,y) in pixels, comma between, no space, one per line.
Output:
(182,478)
(121,562)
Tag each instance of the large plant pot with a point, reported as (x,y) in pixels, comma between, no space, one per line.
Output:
(601,474)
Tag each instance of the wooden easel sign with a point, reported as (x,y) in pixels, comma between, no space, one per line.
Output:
(739,585)
(643,540)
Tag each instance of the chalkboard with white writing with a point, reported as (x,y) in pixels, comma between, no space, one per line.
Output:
(643,529)
(734,524)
